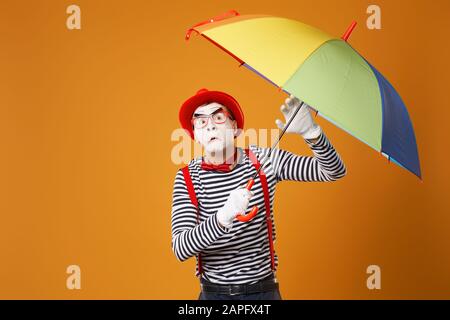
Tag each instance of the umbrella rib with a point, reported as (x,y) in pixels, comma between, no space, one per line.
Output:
(218,45)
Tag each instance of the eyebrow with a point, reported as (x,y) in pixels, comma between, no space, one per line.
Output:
(198,114)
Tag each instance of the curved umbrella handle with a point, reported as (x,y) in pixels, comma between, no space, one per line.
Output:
(253,212)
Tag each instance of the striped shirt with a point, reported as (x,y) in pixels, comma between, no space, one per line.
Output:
(240,254)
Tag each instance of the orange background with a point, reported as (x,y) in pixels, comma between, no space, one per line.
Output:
(86,175)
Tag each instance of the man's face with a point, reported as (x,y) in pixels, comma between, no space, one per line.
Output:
(214,136)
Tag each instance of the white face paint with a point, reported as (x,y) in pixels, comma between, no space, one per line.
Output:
(215,137)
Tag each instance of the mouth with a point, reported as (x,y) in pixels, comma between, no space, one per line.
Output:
(213,139)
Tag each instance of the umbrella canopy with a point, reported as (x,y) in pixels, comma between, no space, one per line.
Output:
(323,71)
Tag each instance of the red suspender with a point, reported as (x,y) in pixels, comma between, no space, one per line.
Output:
(265,187)
(191,190)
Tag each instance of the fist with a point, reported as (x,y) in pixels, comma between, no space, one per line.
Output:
(303,123)
(237,202)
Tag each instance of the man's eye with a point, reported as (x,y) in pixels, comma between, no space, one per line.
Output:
(219,117)
(201,121)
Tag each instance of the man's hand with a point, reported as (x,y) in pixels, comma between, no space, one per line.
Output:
(303,123)
(237,202)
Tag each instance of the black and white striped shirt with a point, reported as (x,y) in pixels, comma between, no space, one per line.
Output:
(240,254)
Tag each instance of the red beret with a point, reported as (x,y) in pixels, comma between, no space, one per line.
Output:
(204,96)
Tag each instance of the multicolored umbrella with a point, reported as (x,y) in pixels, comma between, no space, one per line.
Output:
(323,71)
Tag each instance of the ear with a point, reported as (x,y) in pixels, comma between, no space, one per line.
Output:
(195,135)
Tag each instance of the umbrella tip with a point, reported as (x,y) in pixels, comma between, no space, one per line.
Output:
(211,20)
(349,31)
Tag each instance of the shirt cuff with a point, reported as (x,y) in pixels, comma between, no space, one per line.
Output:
(321,141)
(221,229)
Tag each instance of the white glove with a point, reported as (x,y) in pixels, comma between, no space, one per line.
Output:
(237,202)
(303,122)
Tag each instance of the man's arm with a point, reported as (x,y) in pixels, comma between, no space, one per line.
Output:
(325,165)
(188,237)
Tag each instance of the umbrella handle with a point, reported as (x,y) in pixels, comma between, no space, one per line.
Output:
(254,211)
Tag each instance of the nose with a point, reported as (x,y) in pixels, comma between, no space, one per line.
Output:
(211,126)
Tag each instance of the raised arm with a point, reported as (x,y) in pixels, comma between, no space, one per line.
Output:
(325,165)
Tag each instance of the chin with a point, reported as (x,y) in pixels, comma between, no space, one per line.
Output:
(215,147)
